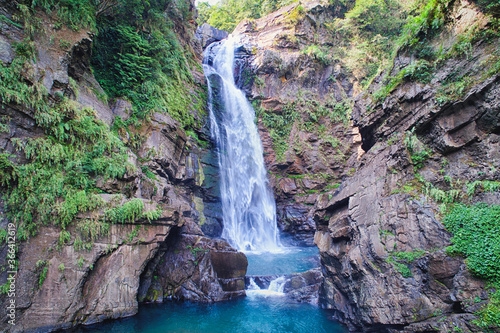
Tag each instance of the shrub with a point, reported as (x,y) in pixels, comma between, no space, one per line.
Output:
(476,231)
(142,60)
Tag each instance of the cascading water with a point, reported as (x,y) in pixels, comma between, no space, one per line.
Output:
(249,214)
(249,209)
(275,288)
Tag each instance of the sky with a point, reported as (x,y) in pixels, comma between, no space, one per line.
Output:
(212,2)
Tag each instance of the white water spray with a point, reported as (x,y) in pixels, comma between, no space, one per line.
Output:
(249,209)
(276,288)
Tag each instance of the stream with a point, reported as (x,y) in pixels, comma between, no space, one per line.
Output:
(262,310)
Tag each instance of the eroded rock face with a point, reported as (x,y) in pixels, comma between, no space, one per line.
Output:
(82,287)
(378,202)
(192,267)
(207,35)
(284,81)
(64,283)
(386,207)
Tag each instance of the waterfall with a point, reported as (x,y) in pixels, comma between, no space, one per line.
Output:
(249,209)
(276,288)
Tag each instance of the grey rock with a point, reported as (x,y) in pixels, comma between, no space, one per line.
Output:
(194,268)
(207,34)
(6,52)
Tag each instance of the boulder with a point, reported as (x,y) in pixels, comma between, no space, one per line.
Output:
(194,268)
(207,34)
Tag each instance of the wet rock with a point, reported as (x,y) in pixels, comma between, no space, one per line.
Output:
(293,219)
(229,265)
(304,287)
(194,268)
(298,287)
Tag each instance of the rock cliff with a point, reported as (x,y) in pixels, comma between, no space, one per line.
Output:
(303,106)
(103,261)
(377,188)
(369,190)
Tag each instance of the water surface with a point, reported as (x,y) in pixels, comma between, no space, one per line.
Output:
(289,260)
(251,314)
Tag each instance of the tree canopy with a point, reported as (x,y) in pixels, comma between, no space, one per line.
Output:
(228,13)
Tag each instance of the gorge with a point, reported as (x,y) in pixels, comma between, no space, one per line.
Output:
(130,186)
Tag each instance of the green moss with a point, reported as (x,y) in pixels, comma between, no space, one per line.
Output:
(43,267)
(418,71)
(408,257)
(58,181)
(279,126)
(75,14)
(418,153)
(400,267)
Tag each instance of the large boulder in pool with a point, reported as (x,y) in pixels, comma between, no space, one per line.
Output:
(192,267)
(229,265)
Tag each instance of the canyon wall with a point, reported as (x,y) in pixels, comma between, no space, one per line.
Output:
(406,154)
(104,261)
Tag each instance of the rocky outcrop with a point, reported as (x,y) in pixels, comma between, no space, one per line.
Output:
(82,286)
(387,207)
(192,267)
(93,270)
(207,35)
(376,202)
(298,287)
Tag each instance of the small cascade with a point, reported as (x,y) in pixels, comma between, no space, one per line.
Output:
(248,206)
(275,288)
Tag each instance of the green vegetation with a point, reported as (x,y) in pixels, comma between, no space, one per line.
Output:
(295,15)
(470,223)
(401,267)
(476,231)
(226,14)
(418,71)
(418,153)
(43,267)
(368,34)
(485,185)
(319,53)
(54,178)
(417,40)
(408,257)
(80,262)
(401,259)
(62,165)
(143,60)
(75,14)
(421,28)
(279,126)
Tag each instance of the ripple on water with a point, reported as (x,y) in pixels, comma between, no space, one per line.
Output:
(290,260)
(250,314)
